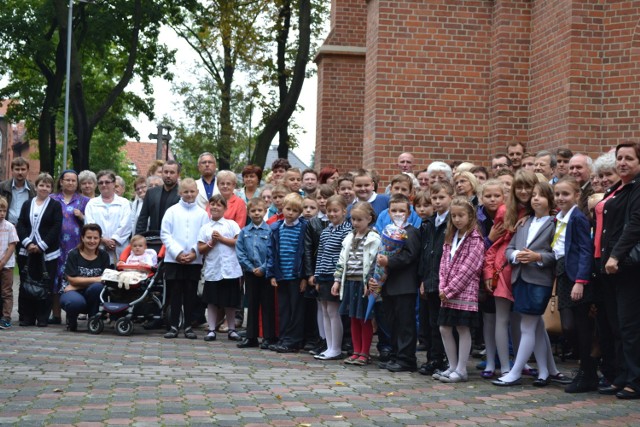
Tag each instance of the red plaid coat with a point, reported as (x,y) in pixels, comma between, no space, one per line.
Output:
(460,276)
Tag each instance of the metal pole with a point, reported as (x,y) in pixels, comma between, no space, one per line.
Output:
(66,94)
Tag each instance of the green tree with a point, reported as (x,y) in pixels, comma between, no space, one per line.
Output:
(225,34)
(112,42)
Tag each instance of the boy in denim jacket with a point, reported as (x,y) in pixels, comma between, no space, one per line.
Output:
(251,248)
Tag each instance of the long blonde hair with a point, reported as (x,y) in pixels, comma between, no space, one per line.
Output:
(463,202)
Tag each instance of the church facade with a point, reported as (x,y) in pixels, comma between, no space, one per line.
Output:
(459,79)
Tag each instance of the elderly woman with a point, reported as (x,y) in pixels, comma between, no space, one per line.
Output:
(112,213)
(73,205)
(39,233)
(439,172)
(83,270)
(465,185)
(88,183)
(617,232)
(236,207)
(251,176)
(605,168)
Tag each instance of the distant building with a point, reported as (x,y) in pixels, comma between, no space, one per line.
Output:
(141,154)
(293,159)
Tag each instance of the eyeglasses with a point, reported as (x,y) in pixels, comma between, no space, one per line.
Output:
(105,182)
(143,187)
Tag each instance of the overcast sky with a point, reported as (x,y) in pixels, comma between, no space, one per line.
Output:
(185,58)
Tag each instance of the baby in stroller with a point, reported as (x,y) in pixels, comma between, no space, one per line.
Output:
(138,265)
(140,256)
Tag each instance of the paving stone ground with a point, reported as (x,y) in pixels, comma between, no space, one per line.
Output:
(53,377)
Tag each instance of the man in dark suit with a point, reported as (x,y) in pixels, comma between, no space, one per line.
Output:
(159,199)
(580,167)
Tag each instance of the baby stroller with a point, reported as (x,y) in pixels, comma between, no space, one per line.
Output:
(139,301)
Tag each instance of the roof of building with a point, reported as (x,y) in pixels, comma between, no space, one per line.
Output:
(295,161)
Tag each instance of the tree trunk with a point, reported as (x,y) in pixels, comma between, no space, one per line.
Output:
(283,36)
(288,106)
(226,128)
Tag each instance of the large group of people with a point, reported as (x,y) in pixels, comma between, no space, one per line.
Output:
(441,258)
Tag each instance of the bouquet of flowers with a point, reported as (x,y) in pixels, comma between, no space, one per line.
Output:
(393,238)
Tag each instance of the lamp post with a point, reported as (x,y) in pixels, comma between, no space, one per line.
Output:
(66,92)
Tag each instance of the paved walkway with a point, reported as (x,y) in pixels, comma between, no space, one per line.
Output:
(53,377)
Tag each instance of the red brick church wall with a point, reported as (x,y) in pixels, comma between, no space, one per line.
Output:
(458,80)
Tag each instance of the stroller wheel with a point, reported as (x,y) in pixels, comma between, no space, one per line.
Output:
(124,327)
(95,325)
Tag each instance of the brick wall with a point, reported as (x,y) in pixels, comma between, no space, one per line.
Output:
(427,81)
(621,71)
(340,101)
(457,80)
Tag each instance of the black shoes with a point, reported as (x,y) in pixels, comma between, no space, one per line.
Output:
(211,336)
(583,383)
(319,349)
(397,367)
(433,365)
(628,393)
(72,324)
(172,333)
(248,343)
(189,334)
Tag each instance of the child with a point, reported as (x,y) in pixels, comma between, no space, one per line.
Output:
(328,253)
(533,262)
(8,241)
(183,262)
(497,271)
(323,193)
(309,208)
(399,292)
(251,249)
(460,271)
(400,184)
(222,272)
(432,241)
(140,255)
(275,211)
(345,188)
(422,205)
(572,247)
(293,180)
(359,250)
(285,272)
(491,197)
(364,186)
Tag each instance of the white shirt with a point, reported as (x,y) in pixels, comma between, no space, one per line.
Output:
(149,257)
(114,219)
(221,262)
(558,248)
(179,230)
(441,218)
(536,225)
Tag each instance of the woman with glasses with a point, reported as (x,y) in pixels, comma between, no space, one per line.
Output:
(73,206)
(112,213)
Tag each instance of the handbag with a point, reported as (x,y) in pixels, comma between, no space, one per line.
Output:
(495,277)
(551,316)
(38,290)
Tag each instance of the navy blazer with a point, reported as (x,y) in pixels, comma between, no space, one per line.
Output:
(578,247)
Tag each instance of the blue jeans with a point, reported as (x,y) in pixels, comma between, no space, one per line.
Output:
(84,301)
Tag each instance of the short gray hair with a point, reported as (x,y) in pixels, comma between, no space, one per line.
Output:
(440,167)
(553,161)
(605,162)
(87,175)
(228,175)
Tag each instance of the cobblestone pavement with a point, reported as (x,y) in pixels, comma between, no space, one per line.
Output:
(53,377)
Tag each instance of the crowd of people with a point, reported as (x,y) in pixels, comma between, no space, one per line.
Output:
(441,258)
